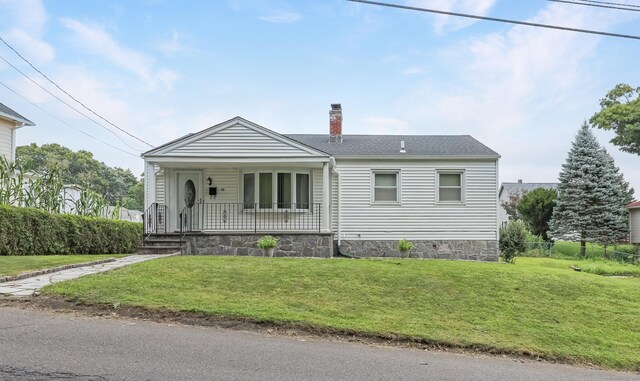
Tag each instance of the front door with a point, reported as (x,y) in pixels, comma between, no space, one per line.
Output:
(189,198)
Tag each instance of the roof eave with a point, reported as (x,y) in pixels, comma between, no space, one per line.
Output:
(413,157)
(23,121)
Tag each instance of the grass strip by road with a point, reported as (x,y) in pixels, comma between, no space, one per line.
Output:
(524,308)
(18,264)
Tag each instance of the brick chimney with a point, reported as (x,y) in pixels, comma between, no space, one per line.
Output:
(335,123)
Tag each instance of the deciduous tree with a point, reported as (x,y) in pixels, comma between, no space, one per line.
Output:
(620,112)
(536,208)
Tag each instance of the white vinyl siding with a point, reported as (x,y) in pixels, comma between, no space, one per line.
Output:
(226,180)
(160,198)
(634,225)
(419,216)
(6,139)
(237,141)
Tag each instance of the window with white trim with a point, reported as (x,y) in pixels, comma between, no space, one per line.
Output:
(385,186)
(450,186)
(276,190)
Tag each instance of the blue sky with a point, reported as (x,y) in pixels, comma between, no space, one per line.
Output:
(161,69)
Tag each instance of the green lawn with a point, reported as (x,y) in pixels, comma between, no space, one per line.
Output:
(17,264)
(528,307)
(593,266)
(564,249)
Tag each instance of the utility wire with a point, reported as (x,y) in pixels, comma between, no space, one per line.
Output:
(610,3)
(71,96)
(596,5)
(509,21)
(68,105)
(64,122)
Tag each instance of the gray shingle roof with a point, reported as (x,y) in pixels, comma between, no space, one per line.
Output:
(8,112)
(519,188)
(389,145)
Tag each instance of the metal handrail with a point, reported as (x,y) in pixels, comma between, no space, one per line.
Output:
(252,217)
(154,219)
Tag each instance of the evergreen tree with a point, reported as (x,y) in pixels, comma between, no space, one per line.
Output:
(591,195)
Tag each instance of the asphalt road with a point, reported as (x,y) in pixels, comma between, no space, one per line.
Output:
(37,345)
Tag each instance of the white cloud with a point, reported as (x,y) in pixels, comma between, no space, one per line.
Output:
(474,7)
(413,71)
(282,17)
(172,46)
(516,91)
(96,40)
(380,125)
(26,20)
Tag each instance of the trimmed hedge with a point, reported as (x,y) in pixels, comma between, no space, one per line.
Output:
(27,231)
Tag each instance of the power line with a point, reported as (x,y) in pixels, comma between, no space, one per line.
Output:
(67,104)
(69,95)
(595,5)
(610,3)
(64,122)
(509,21)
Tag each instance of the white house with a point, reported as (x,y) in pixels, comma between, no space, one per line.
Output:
(518,189)
(10,121)
(634,222)
(359,194)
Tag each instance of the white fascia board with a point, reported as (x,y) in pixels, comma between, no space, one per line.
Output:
(415,157)
(197,160)
(20,122)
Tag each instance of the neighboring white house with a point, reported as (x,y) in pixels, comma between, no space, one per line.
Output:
(363,192)
(634,222)
(10,121)
(518,189)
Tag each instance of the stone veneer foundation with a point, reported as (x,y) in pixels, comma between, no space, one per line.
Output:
(468,250)
(289,245)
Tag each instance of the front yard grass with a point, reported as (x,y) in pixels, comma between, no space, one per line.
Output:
(593,266)
(17,264)
(522,308)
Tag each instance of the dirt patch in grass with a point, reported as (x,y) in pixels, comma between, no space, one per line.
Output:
(289,329)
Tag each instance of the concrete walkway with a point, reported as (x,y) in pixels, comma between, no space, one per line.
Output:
(29,286)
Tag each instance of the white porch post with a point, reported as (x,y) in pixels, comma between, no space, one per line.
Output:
(149,184)
(326,214)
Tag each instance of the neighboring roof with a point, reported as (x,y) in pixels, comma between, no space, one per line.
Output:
(389,145)
(633,205)
(519,188)
(8,113)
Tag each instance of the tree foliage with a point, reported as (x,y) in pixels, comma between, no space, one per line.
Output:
(117,185)
(620,112)
(536,208)
(591,195)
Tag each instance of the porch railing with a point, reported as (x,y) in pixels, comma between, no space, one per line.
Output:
(258,217)
(154,219)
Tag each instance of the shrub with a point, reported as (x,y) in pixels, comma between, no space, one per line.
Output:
(404,245)
(27,231)
(267,242)
(513,240)
(536,246)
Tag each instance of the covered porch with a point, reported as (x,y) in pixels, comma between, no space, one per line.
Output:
(242,195)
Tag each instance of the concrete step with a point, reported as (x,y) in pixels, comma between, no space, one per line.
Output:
(158,249)
(162,242)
